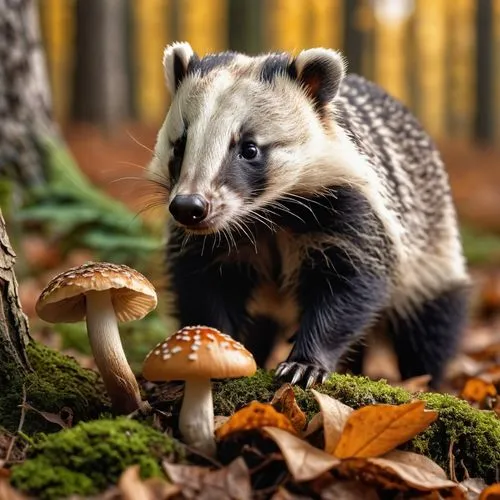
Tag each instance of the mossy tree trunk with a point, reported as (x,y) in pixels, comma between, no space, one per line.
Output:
(14,333)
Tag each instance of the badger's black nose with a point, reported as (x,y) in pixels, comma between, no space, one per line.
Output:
(189,209)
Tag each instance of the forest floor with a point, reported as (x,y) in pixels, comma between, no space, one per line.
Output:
(115,162)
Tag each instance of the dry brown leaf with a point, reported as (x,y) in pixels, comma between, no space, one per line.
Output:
(476,390)
(7,492)
(412,473)
(349,490)
(254,416)
(283,494)
(284,402)
(491,492)
(473,487)
(304,461)
(376,429)
(335,415)
(417,471)
(228,483)
(133,487)
(314,425)
(64,418)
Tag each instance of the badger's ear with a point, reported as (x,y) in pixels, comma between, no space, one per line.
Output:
(320,71)
(176,59)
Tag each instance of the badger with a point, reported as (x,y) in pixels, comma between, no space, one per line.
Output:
(306,203)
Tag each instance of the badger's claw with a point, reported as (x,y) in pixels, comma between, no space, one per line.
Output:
(301,374)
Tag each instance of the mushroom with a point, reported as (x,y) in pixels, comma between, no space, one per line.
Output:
(102,294)
(196,354)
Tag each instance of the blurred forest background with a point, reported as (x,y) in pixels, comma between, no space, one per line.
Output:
(108,98)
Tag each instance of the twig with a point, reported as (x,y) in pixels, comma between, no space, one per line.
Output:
(19,427)
(451,458)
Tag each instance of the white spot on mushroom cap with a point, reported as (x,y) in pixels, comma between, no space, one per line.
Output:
(193,356)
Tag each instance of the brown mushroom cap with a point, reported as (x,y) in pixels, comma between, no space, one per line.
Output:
(63,299)
(198,352)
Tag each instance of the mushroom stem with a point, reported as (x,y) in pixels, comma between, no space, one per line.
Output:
(102,327)
(196,418)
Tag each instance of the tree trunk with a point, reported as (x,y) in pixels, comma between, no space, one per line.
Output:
(25,105)
(14,333)
(100,81)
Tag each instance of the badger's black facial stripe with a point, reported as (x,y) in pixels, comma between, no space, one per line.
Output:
(275,65)
(206,64)
(244,169)
(175,163)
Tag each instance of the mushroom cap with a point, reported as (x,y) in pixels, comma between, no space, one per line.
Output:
(195,352)
(63,299)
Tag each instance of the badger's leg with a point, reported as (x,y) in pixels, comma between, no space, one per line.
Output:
(426,337)
(205,292)
(339,302)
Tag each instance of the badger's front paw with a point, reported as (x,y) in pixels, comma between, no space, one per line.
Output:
(302,374)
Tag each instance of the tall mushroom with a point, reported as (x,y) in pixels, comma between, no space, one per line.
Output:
(102,294)
(196,354)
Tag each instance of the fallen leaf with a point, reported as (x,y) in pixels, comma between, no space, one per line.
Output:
(349,490)
(477,390)
(283,494)
(314,425)
(406,473)
(64,418)
(254,416)
(491,492)
(284,402)
(7,492)
(335,415)
(132,487)
(228,483)
(473,487)
(304,461)
(376,429)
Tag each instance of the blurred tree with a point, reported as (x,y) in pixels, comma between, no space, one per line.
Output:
(101,92)
(25,106)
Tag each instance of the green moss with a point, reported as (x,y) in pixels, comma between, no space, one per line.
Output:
(231,394)
(91,456)
(50,481)
(57,381)
(474,434)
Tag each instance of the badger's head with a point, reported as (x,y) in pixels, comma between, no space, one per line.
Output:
(242,133)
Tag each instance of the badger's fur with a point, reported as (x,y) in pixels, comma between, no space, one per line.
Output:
(306,203)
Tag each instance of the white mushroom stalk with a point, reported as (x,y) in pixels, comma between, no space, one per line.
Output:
(104,336)
(196,417)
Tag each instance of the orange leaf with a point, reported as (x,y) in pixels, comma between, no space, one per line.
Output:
(477,390)
(335,415)
(304,461)
(376,429)
(254,416)
(284,401)
(491,492)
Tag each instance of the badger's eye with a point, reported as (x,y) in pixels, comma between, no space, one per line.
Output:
(249,150)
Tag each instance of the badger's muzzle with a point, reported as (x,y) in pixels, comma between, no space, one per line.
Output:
(189,209)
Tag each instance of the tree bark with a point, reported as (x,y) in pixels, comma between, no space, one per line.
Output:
(14,331)
(25,104)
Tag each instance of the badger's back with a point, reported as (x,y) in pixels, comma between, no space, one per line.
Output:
(415,183)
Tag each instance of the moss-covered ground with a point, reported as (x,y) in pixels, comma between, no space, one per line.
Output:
(57,381)
(91,457)
(473,435)
(92,454)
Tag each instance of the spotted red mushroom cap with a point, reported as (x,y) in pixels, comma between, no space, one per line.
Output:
(198,352)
